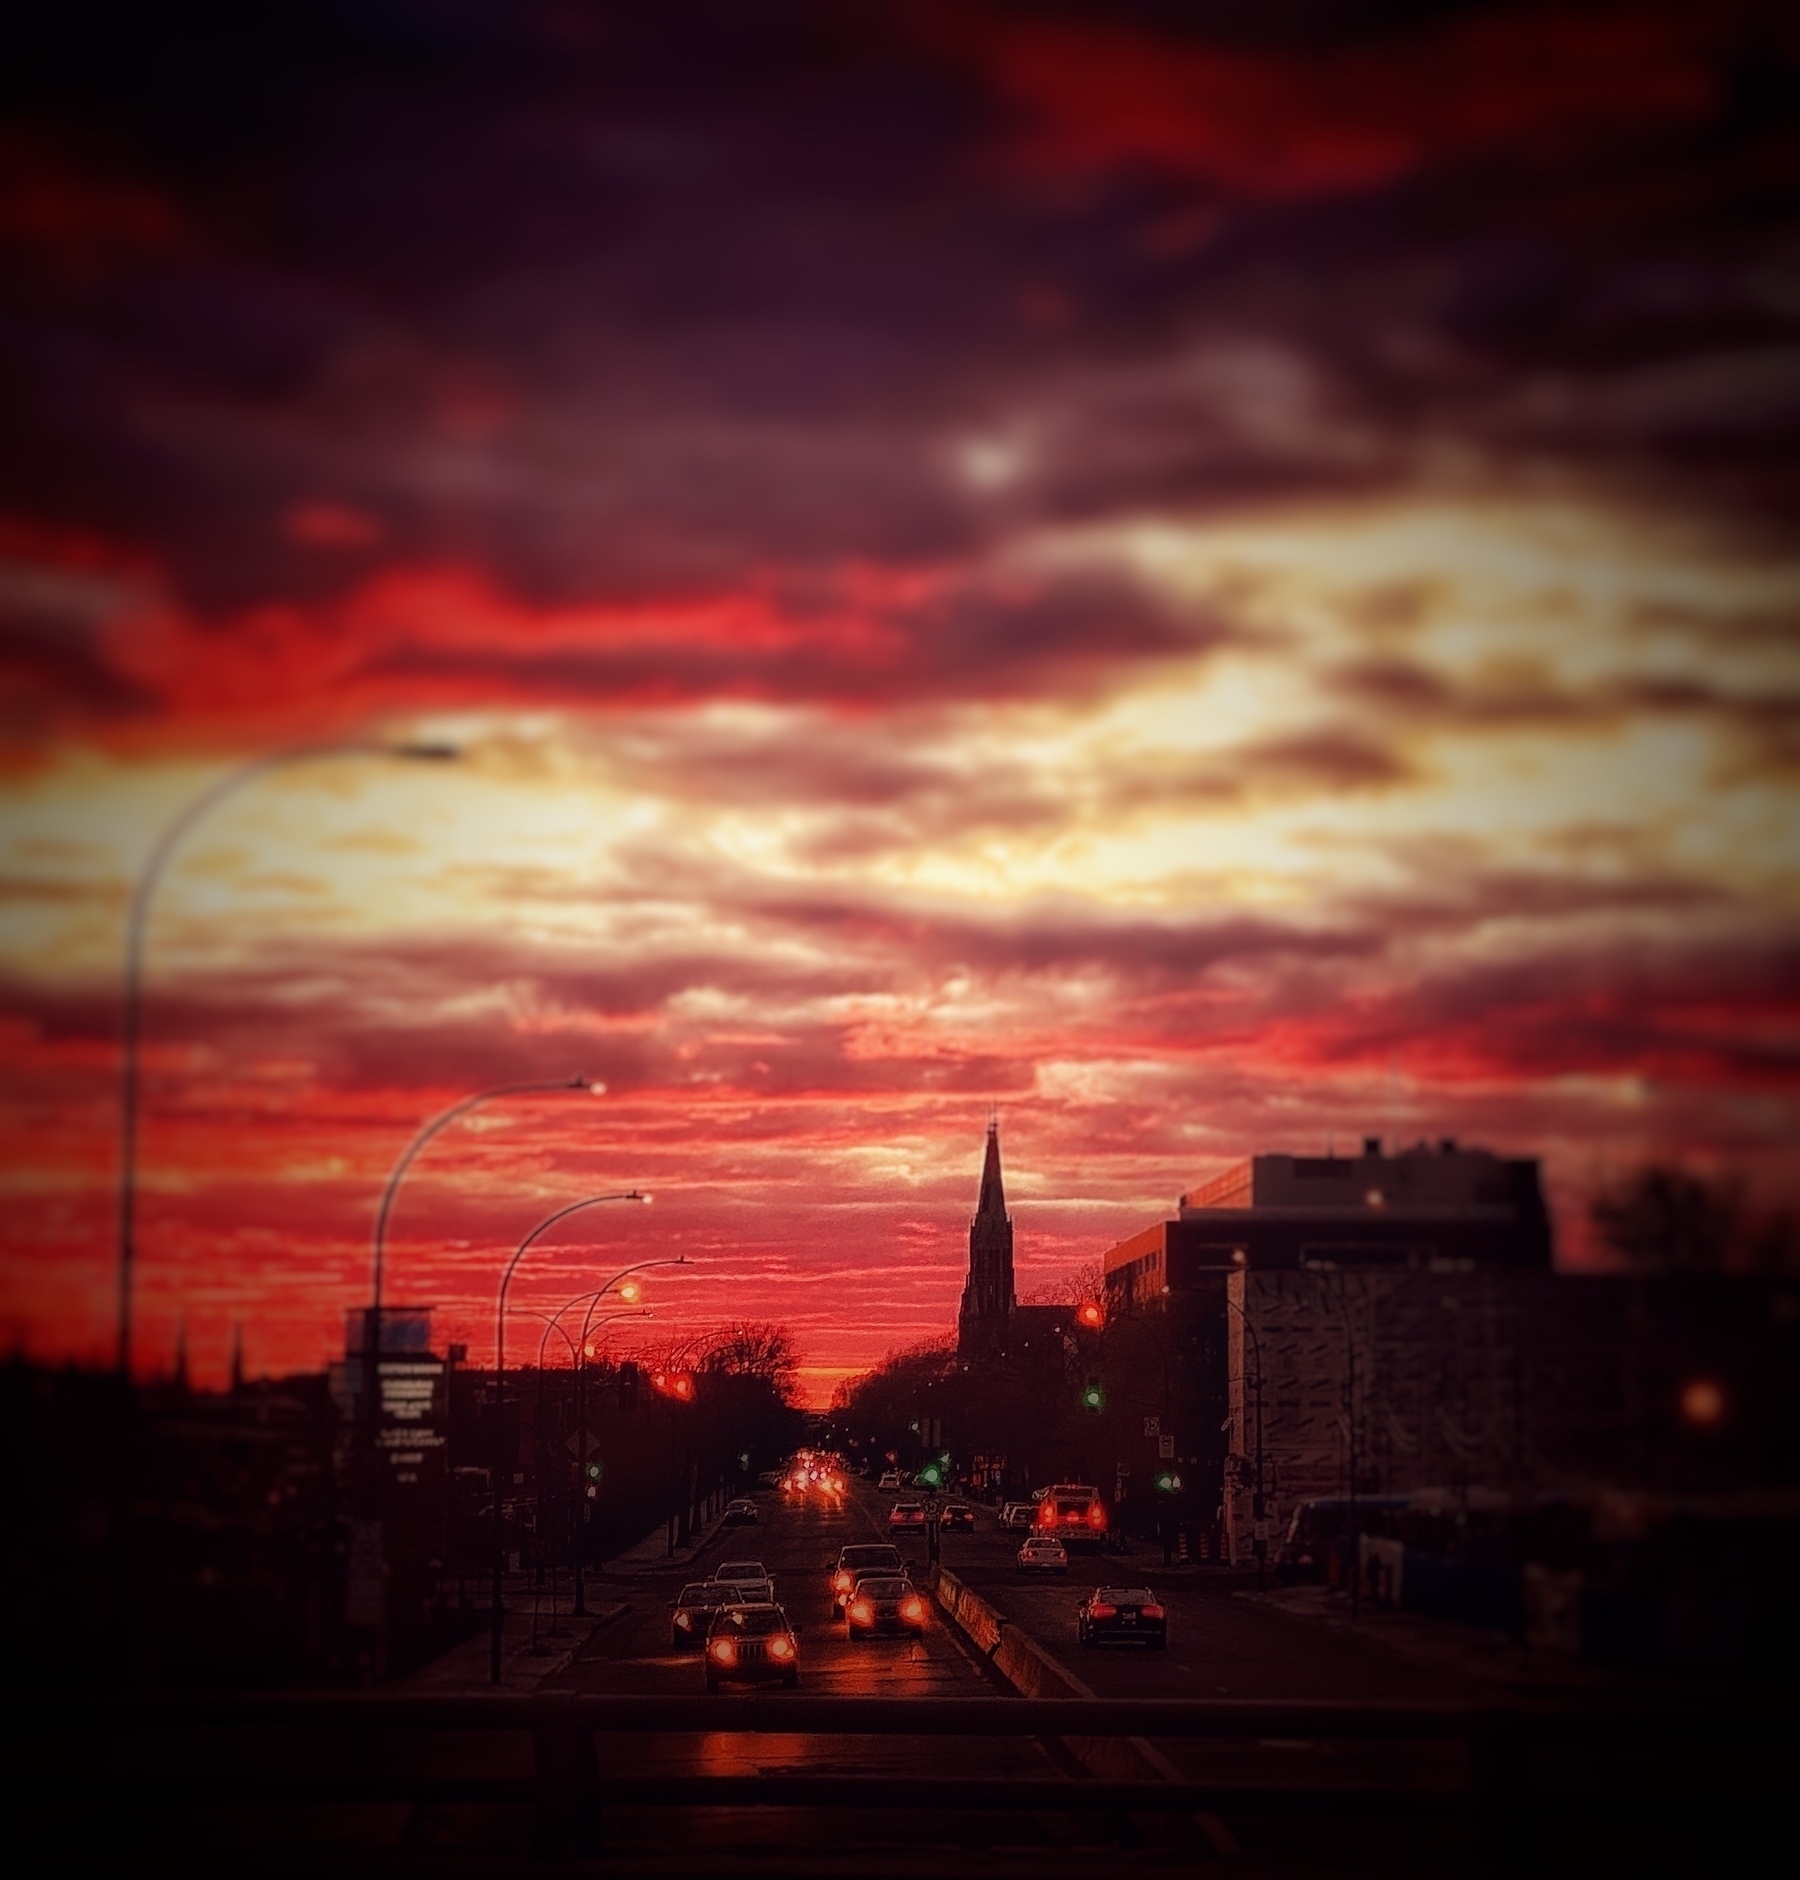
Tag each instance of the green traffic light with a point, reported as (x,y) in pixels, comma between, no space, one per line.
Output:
(1093,1398)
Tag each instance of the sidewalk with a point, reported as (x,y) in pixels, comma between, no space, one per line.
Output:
(647,1555)
(466,1667)
(1438,1645)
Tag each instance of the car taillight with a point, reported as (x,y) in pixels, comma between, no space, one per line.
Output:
(1151,1612)
(1099,1611)
(841,1582)
(781,1648)
(724,1650)
(1046,1516)
(913,1609)
(1096,1516)
(685,1621)
(861,1609)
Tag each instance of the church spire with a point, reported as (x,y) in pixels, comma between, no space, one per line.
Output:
(992,1204)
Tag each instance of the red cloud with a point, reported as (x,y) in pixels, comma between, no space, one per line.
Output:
(1266,125)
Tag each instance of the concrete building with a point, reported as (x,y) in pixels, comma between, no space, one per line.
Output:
(1524,1384)
(1442,1209)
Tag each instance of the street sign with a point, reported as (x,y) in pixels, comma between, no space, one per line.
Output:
(1153,1426)
(1165,1448)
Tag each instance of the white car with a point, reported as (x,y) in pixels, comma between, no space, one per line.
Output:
(891,1479)
(1043,1553)
(743,1573)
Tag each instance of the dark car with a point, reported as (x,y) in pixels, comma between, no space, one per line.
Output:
(752,1645)
(693,1612)
(881,1603)
(958,1515)
(1122,1612)
(862,1557)
(740,1513)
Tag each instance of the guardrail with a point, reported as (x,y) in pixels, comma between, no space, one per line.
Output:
(308,1747)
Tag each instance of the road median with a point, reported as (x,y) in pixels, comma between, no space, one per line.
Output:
(1033,1672)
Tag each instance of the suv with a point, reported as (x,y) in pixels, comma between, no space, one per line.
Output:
(752,1644)
(1074,1512)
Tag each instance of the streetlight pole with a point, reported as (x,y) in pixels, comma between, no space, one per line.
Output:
(552,1323)
(587,1326)
(367,1497)
(498,1620)
(132,1009)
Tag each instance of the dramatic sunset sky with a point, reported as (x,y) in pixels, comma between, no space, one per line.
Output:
(1210,577)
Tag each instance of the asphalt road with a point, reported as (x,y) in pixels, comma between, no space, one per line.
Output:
(798,1539)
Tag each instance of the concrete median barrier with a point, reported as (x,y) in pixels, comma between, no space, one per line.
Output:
(1032,1672)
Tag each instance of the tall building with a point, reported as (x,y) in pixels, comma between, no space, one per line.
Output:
(1443,1209)
(988,1298)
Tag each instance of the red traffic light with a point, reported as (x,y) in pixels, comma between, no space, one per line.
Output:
(676,1384)
(1091,1313)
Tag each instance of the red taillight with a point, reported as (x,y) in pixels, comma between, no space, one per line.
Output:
(685,1621)
(1046,1517)
(1096,1516)
(861,1609)
(781,1648)
(1152,1612)
(841,1582)
(1099,1611)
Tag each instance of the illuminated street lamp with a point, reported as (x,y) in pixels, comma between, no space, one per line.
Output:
(136,929)
(498,1621)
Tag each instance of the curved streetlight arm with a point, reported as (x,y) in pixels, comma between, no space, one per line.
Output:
(442,1121)
(623,1273)
(136,928)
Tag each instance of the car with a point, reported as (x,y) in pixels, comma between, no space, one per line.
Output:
(752,1645)
(1043,1553)
(890,1478)
(881,1602)
(862,1557)
(1017,1517)
(958,1515)
(693,1613)
(1125,1613)
(740,1513)
(741,1570)
(907,1514)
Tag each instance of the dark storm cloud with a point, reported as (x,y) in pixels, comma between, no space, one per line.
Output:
(610,302)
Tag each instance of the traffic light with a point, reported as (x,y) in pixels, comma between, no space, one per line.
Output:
(1090,1315)
(932,1475)
(676,1384)
(1168,1482)
(595,1470)
(1092,1396)
(628,1386)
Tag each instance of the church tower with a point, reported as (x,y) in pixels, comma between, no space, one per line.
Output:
(987,1301)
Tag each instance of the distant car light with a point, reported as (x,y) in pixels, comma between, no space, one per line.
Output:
(685,1620)
(861,1609)
(725,1650)
(781,1647)
(912,1609)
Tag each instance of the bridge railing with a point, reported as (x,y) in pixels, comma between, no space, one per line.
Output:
(293,1748)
